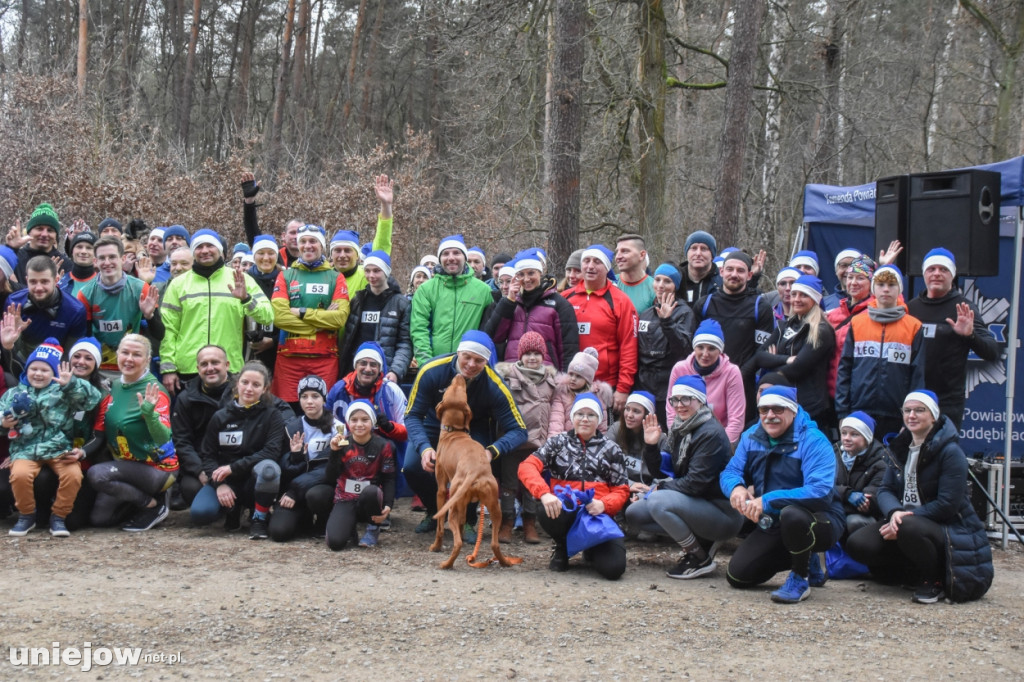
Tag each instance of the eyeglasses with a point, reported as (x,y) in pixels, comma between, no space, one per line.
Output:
(584,415)
(774,409)
(679,400)
(914,410)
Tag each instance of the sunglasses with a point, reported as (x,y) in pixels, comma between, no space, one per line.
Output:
(774,409)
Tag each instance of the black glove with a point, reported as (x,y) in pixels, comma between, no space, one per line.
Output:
(383,423)
(250,188)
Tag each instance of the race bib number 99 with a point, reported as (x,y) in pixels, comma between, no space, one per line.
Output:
(897,353)
(230,438)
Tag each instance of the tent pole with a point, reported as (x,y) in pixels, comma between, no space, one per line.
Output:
(1011,368)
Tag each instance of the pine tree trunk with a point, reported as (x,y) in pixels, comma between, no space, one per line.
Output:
(281,91)
(83,45)
(651,107)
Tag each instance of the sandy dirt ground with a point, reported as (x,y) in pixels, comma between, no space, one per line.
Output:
(202,604)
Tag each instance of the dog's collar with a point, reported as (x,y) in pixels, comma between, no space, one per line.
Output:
(445,427)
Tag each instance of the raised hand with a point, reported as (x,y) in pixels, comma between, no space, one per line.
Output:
(888,257)
(758,264)
(238,290)
(964,325)
(15,237)
(652,430)
(297,441)
(666,304)
(64,374)
(152,395)
(250,188)
(148,301)
(12,326)
(144,269)
(384,189)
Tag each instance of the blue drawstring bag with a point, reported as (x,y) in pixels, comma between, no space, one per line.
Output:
(587,530)
(841,566)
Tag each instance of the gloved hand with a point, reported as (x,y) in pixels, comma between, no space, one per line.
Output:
(383,423)
(856,498)
(250,188)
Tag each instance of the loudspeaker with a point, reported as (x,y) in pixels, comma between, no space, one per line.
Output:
(892,215)
(957,210)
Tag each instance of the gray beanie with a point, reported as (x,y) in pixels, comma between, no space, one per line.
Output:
(575,260)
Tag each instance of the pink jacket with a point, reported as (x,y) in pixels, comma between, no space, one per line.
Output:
(725,394)
(561,403)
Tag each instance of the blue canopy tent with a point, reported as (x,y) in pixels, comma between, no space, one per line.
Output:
(844,217)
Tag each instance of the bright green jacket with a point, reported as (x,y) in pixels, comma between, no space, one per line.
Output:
(197,311)
(356,281)
(443,309)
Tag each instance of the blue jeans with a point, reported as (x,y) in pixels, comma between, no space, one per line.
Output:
(260,488)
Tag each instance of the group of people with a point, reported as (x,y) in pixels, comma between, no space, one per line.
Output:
(296,380)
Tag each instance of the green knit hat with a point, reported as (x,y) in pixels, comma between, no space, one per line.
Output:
(44,215)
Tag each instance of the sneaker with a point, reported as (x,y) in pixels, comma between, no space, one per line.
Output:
(794,590)
(559,559)
(233,519)
(468,534)
(690,567)
(26,522)
(146,518)
(815,574)
(929,592)
(371,537)
(57,527)
(427,525)
(386,526)
(258,528)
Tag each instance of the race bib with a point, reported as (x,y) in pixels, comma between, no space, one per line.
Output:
(80,415)
(897,353)
(371,316)
(643,326)
(266,328)
(632,463)
(789,333)
(584,327)
(355,487)
(317,447)
(689,296)
(760,337)
(867,349)
(928,330)
(316,289)
(230,438)
(110,326)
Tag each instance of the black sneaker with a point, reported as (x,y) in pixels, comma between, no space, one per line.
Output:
(690,567)
(559,559)
(258,529)
(233,519)
(929,592)
(146,518)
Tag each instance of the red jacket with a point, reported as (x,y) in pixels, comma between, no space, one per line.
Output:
(607,322)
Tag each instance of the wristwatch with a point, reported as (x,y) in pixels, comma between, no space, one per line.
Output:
(302,313)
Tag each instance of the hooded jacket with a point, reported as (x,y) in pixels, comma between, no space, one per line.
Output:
(546,313)
(696,468)
(942,484)
(797,468)
(661,342)
(809,370)
(747,322)
(443,309)
(392,329)
(864,476)
(51,417)
(561,404)
(724,391)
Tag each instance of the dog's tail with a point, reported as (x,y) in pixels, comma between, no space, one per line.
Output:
(456,492)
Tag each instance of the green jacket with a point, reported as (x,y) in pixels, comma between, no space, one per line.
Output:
(51,417)
(444,308)
(198,311)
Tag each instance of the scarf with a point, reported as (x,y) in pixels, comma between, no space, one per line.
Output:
(82,272)
(315,264)
(705,371)
(261,276)
(115,288)
(534,376)
(681,433)
(886,315)
(207,270)
(849,459)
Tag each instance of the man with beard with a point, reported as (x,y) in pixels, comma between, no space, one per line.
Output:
(207,305)
(746,318)
(43,228)
(40,311)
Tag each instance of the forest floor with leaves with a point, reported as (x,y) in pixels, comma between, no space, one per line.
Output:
(228,606)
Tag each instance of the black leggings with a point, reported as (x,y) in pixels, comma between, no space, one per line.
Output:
(608,558)
(341,524)
(122,487)
(285,524)
(785,546)
(919,544)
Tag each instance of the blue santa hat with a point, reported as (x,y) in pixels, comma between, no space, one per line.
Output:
(808,258)
(586,400)
(476,341)
(206,236)
(779,396)
(381,259)
(942,257)
(346,238)
(690,385)
(454,241)
(264,241)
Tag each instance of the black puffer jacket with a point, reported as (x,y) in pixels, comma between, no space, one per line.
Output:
(864,476)
(697,463)
(392,330)
(942,484)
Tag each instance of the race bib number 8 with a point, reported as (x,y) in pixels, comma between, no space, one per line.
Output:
(371,316)
(230,438)
(355,487)
(110,326)
(584,327)
(316,289)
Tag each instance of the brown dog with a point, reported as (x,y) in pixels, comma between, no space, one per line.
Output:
(466,466)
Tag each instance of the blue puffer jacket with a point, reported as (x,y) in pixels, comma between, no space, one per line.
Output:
(799,469)
(942,485)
